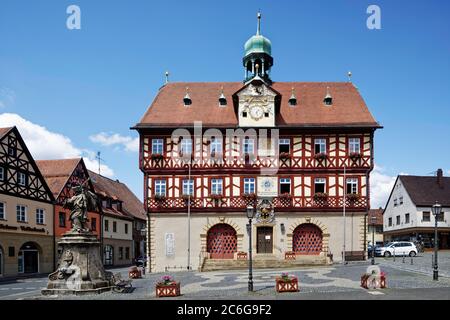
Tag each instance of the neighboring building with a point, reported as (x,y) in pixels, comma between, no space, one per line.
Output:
(375,227)
(26,210)
(61,176)
(408,214)
(121,211)
(325,128)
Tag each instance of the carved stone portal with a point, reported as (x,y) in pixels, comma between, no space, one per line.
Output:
(80,268)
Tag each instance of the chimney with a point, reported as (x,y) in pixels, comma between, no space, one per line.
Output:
(440,178)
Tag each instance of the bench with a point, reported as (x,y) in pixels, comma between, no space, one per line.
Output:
(121,285)
(355,256)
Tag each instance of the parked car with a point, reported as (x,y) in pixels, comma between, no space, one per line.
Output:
(398,248)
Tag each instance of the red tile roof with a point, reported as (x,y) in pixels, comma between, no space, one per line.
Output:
(348,109)
(115,189)
(57,172)
(4,131)
(378,214)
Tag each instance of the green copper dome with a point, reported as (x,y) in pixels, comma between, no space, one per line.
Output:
(258,44)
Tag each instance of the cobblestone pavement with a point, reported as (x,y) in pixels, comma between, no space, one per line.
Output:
(421,263)
(330,282)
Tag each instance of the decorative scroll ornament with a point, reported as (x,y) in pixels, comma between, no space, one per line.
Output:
(265,212)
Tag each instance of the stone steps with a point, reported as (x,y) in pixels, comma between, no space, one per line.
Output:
(261,263)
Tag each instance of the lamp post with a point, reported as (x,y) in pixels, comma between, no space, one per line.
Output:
(343,211)
(373,219)
(250,212)
(437,210)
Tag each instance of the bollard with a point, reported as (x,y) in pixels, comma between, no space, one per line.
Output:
(403,260)
(432,263)
(411,260)
(394,256)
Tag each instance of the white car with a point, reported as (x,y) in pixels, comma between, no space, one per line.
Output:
(399,248)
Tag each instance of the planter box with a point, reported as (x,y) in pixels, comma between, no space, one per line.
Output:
(373,281)
(134,273)
(171,290)
(242,256)
(282,286)
(289,256)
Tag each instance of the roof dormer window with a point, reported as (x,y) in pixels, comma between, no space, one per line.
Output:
(222,99)
(187,98)
(293,98)
(328,100)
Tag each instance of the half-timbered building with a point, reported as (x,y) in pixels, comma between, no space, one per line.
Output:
(62,175)
(26,210)
(205,160)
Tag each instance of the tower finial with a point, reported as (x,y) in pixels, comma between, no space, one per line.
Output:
(258,30)
(167,77)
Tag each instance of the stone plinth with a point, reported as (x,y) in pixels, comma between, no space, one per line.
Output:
(80,268)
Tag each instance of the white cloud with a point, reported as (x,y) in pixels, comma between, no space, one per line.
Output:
(46,145)
(114,139)
(381,185)
(7,97)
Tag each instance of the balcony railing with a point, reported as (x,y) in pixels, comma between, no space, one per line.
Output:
(282,203)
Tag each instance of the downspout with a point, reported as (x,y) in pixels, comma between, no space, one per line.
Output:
(54,235)
(372,157)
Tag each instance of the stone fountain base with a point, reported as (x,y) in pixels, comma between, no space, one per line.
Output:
(80,268)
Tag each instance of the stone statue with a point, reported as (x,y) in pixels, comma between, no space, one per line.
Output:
(82,202)
(64,270)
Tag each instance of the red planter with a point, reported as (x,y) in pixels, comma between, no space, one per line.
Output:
(170,290)
(371,281)
(242,256)
(134,273)
(289,255)
(286,286)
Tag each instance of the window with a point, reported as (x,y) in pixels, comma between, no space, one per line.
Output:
(352,186)
(106,225)
(21,213)
(249,146)
(390,222)
(127,253)
(160,187)
(319,185)
(126,228)
(62,219)
(426,216)
(2,211)
(121,253)
(186,146)
(2,174)
(114,226)
(407,218)
(11,151)
(216,146)
(157,146)
(249,185)
(354,145)
(266,114)
(320,146)
(188,187)
(285,185)
(39,216)
(395,202)
(94,224)
(397,220)
(21,179)
(216,186)
(401,200)
(284,146)
(244,114)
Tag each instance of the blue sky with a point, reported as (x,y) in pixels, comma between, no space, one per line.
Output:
(79,83)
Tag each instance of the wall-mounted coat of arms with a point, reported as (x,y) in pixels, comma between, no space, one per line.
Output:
(264,211)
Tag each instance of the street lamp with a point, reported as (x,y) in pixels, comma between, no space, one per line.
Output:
(250,212)
(373,219)
(437,210)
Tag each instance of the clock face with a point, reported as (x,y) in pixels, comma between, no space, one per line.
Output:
(267,184)
(256,112)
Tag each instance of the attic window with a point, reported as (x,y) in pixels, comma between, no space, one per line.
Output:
(328,100)
(187,98)
(222,99)
(293,98)
(244,114)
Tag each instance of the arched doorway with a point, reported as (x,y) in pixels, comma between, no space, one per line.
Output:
(222,241)
(307,239)
(108,255)
(28,260)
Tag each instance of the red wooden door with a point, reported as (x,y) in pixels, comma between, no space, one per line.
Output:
(307,239)
(222,241)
